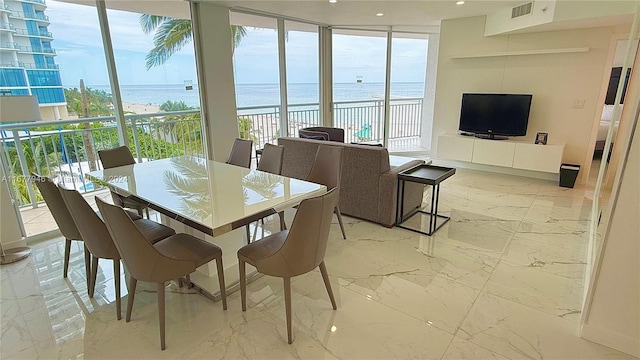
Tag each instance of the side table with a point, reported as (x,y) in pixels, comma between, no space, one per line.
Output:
(427,175)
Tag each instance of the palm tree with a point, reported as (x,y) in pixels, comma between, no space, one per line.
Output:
(170,35)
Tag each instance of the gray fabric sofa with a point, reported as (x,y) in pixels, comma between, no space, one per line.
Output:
(368,188)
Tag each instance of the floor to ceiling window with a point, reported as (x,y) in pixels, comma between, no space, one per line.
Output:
(407,89)
(303,73)
(158,84)
(255,62)
(359,70)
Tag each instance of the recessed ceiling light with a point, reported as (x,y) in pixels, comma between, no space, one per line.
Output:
(333,1)
(379,14)
(460,2)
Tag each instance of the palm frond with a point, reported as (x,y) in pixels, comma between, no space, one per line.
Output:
(149,23)
(169,38)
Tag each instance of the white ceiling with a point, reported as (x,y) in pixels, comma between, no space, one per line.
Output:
(415,15)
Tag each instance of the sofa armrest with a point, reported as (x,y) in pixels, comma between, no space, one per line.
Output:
(388,191)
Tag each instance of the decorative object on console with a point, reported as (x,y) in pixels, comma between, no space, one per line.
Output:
(541,138)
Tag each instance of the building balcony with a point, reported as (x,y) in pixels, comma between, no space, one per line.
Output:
(9,46)
(4,8)
(29,16)
(12,64)
(41,50)
(7,27)
(39,34)
(40,66)
(35,2)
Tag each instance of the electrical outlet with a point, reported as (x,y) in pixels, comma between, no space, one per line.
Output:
(578,104)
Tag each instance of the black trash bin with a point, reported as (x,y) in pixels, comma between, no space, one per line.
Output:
(568,175)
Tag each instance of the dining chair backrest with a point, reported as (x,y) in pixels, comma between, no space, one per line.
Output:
(271,159)
(57,207)
(141,259)
(327,166)
(115,157)
(241,153)
(93,230)
(306,242)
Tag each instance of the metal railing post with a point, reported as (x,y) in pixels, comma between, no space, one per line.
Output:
(136,143)
(25,168)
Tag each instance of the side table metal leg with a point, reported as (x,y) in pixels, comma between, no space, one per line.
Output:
(432,217)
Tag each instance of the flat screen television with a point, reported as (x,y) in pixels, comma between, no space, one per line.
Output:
(495,116)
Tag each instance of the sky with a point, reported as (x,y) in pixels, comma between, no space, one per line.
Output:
(78,43)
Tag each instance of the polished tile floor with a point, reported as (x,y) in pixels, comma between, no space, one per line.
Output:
(502,279)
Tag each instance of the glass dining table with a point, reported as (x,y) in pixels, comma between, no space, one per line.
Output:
(210,200)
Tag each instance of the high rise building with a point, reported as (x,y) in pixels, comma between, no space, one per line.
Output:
(27,65)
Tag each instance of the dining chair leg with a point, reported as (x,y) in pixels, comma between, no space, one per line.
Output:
(287,305)
(248,231)
(223,291)
(132,293)
(339,215)
(243,284)
(67,252)
(87,264)
(116,278)
(161,314)
(327,284)
(94,275)
(283,224)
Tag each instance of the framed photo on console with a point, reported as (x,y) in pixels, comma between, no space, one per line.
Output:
(541,138)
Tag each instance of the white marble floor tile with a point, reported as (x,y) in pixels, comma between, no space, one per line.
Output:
(461,349)
(557,295)
(560,254)
(516,331)
(502,279)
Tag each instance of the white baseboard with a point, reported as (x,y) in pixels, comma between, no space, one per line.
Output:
(14,244)
(611,339)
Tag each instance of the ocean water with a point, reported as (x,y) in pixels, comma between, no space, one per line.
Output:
(266,94)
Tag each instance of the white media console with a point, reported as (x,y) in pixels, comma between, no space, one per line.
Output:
(507,153)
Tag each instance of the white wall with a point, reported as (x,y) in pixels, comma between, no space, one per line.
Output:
(555,80)
(500,22)
(613,318)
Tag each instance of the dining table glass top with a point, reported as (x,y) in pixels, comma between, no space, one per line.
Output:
(210,193)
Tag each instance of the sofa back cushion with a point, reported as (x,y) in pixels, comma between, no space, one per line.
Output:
(361,169)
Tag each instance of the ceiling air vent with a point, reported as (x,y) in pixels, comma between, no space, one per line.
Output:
(524,9)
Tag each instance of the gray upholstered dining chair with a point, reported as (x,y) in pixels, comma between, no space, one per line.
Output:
(322,133)
(293,252)
(240,154)
(62,217)
(271,159)
(327,170)
(96,237)
(171,258)
(115,157)
(271,162)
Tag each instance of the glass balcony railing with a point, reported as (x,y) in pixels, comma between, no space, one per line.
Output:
(33,1)
(31,16)
(7,27)
(9,45)
(11,64)
(40,33)
(41,50)
(39,66)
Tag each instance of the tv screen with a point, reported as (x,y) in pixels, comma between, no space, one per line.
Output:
(495,114)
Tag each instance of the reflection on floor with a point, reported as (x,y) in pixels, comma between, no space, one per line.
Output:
(502,279)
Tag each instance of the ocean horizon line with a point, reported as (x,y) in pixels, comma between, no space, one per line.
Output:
(250,84)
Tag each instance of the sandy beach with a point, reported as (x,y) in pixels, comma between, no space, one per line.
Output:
(140,108)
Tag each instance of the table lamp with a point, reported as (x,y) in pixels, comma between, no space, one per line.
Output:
(13,109)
